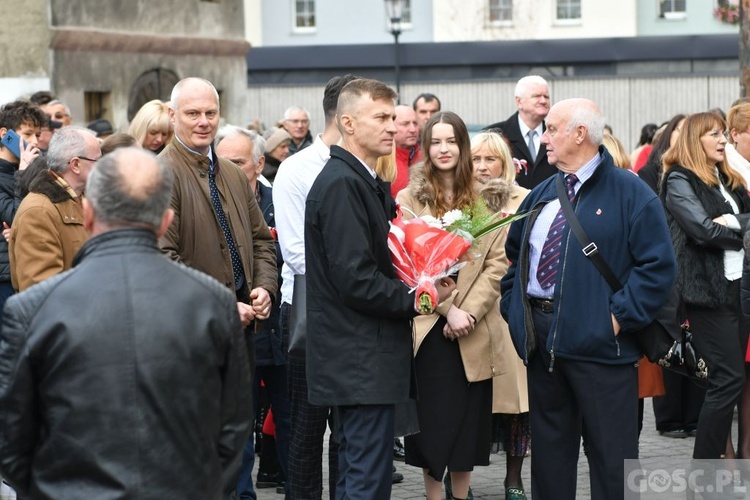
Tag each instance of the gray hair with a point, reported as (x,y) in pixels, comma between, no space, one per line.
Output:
(65,144)
(54,102)
(259,143)
(294,109)
(591,118)
(525,82)
(174,98)
(118,200)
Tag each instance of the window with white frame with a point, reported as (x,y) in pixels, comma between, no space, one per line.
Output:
(304,15)
(406,15)
(501,11)
(568,10)
(672,8)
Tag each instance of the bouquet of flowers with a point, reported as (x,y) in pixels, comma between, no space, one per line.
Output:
(426,249)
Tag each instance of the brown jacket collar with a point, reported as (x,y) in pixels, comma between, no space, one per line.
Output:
(45,184)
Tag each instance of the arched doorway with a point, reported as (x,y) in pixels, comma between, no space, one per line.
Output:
(153,84)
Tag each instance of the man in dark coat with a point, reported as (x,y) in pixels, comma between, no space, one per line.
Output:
(576,334)
(359,346)
(245,149)
(532,100)
(131,367)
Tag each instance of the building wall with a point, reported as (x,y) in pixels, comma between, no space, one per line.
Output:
(224,19)
(254,22)
(105,46)
(343,22)
(698,20)
(115,73)
(628,103)
(469,20)
(24,58)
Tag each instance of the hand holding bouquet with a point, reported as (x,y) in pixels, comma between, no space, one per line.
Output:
(424,250)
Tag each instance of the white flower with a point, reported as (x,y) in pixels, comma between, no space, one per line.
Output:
(432,221)
(452,216)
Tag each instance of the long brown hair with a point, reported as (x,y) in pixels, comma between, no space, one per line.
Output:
(463,185)
(688,151)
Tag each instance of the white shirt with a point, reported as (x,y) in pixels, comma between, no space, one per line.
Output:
(293,181)
(525,134)
(732,258)
(541,227)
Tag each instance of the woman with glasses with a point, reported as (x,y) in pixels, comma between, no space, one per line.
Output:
(707,205)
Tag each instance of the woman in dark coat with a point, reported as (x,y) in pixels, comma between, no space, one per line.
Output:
(707,208)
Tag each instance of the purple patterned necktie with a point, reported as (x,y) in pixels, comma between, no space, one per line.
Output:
(546,272)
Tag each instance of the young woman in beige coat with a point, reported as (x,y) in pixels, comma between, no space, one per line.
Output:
(494,171)
(456,350)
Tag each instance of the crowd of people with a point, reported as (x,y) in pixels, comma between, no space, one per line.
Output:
(278,314)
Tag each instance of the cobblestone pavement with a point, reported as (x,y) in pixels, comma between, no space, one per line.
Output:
(487,482)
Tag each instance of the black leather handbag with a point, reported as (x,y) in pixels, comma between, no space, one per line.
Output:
(663,341)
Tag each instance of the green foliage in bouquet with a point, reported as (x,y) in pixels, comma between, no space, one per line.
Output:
(477,220)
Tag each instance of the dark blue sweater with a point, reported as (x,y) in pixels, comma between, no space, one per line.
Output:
(626,221)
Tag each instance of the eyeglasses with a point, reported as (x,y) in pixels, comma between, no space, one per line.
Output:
(88,159)
(298,122)
(717,134)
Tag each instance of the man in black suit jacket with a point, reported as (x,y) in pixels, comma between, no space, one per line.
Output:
(532,99)
(359,345)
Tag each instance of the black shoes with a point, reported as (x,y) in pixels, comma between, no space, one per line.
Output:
(675,433)
(397,476)
(266,480)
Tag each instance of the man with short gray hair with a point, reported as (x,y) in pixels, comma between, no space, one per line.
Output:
(48,228)
(524,130)
(575,332)
(146,394)
(297,123)
(245,149)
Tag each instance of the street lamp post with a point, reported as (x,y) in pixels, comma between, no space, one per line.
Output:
(395,11)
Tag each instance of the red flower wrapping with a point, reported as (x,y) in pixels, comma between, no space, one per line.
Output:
(422,254)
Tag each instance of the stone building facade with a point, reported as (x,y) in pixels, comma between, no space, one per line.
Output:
(106,58)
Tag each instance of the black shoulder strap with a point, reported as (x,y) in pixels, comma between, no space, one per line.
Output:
(590,249)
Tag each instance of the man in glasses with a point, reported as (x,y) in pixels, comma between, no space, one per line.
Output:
(48,228)
(59,112)
(297,123)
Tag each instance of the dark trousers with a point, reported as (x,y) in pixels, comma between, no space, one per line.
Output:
(679,407)
(274,378)
(716,335)
(365,452)
(602,397)
(6,290)
(304,480)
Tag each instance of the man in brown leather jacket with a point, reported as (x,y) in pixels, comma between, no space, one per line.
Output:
(218,227)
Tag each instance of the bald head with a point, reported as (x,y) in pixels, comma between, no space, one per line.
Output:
(574,132)
(407,127)
(193,85)
(194,113)
(129,188)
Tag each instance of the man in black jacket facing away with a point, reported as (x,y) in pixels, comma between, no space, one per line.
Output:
(132,367)
(524,130)
(359,346)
